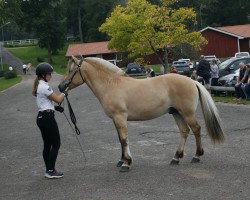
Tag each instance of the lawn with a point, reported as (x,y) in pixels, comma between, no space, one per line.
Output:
(229,99)
(35,55)
(6,83)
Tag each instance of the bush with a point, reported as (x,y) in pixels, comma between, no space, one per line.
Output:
(10,74)
(2,73)
(39,59)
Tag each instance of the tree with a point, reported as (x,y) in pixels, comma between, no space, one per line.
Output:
(84,17)
(75,15)
(9,9)
(46,19)
(142,28)
(225,12)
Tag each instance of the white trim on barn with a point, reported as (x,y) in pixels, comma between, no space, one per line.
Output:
(221,31)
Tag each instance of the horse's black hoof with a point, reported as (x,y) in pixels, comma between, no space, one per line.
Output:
(174,162)
(119,164)
(124,169)
(195,160)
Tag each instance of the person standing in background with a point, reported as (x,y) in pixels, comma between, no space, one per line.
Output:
(150,72)
(203,71)
(24,68)
(214,73)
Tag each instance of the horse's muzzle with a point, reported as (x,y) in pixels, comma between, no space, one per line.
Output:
(63,85)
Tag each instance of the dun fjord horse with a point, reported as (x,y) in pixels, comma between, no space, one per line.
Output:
(127,99)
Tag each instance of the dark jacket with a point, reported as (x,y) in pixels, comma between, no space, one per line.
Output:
(242,74)
(203,69)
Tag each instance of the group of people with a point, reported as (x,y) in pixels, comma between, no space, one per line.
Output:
(242,87)
(207,73)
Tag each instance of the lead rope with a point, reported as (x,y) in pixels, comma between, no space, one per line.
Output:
(72,116)
(73,119)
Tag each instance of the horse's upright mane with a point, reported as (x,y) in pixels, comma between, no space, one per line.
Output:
(104,63)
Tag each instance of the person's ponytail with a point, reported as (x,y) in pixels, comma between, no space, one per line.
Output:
(35,85)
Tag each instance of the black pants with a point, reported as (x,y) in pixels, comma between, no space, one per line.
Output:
(239,92)
(51,138)
(214,81)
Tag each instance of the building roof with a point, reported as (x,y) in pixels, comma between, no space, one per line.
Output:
(239,31)
(87,49)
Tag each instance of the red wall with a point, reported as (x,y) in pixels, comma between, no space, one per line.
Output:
(219,44)
(244,45)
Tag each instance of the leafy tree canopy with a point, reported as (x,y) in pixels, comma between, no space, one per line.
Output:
(142,28)
(46,19)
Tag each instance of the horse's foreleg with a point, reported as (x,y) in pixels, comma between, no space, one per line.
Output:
(192,122)
(120,122)
(184,131)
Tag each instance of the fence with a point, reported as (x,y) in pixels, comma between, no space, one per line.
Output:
(21,42)
(229,91)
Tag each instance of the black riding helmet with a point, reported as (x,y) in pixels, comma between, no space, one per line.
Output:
(43,69)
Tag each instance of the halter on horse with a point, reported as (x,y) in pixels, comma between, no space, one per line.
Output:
(127,99)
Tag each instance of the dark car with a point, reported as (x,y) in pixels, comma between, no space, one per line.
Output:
(231,65)
(229,80)
(133,68)
(182,67)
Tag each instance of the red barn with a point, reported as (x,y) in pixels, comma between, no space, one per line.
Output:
(95,49)
(227,40)
(100,50)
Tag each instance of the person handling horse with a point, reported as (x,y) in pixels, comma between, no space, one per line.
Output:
(46,119)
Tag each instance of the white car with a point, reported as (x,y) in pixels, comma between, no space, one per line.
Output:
(191,65)
(241,54)
(209,58)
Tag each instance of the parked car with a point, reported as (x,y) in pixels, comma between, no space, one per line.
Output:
(191,64)
(229,80)
(209,58)
(133,68)
(241,54)
(182,67)
(231,65)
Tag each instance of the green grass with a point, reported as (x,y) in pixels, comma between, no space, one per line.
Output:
(230,100)
(6,83)
(30,55)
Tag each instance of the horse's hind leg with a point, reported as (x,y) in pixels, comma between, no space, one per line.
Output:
(193,124)
(184,131)
(120,122)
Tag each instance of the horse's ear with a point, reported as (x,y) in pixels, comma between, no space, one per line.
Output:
(74,59)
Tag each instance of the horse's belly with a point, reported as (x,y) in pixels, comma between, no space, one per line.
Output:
(146,113)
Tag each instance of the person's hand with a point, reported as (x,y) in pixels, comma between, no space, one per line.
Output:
(59,108)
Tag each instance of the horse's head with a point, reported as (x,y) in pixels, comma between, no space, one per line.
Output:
(73,77)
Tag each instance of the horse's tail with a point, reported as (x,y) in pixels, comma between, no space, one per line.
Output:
(211,115)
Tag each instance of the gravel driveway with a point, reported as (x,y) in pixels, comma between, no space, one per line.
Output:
(223,172)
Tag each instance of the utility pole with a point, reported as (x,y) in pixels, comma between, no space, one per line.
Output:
(2,44)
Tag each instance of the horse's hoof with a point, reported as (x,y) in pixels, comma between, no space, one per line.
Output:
(195,160)
(124,169)
(119,164)
(174,162)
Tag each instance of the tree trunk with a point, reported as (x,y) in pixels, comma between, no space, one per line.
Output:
(165,60)
(79,22)
(50,56)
